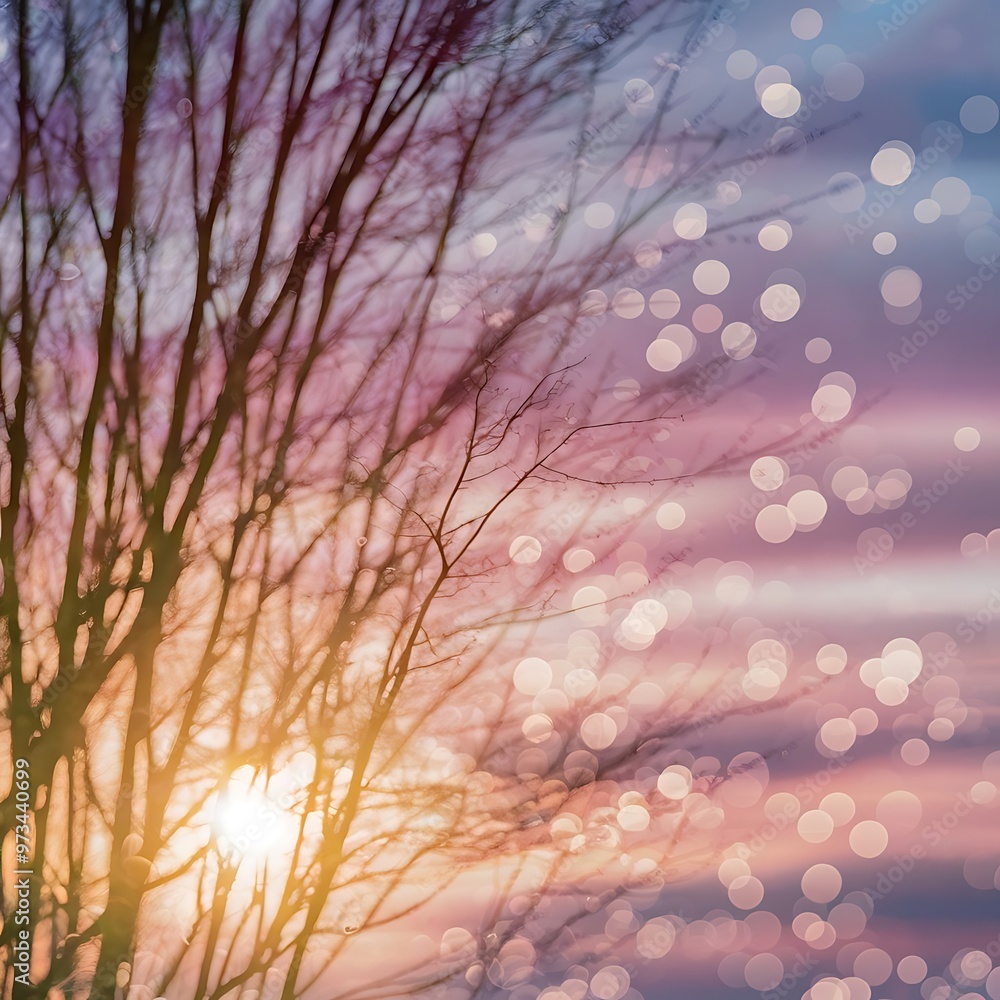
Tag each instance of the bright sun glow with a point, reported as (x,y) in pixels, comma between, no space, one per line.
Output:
(247,822)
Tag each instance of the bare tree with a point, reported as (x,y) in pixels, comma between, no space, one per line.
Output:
(302,417)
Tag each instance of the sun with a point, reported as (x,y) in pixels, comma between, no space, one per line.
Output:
(246,821)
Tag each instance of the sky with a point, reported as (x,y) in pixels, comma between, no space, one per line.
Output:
(838,578)
(891,256)
(829,595)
